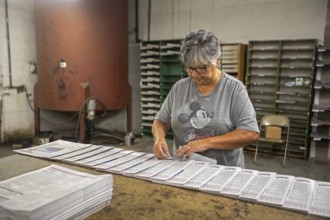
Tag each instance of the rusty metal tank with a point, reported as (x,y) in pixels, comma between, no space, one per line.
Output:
(82,52)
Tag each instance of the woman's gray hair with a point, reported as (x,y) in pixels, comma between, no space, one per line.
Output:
(200,47)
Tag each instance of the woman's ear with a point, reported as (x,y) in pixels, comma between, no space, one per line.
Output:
(218,62)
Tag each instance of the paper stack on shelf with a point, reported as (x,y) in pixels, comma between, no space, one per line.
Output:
(54,192)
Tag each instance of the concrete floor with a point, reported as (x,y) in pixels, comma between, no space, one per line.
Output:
(310,169)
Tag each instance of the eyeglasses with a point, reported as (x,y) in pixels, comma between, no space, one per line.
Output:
(199,69)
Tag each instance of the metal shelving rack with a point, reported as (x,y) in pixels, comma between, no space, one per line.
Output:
(279,78)
(160,69)
(150,84)
(320,146)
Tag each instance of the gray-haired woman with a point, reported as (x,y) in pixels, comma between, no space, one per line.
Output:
(209,112)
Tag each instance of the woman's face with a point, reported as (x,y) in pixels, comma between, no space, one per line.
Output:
(203,74)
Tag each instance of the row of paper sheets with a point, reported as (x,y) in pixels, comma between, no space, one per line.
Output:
(269,188)
(54,192)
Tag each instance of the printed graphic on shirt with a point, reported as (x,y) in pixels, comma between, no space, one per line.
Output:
(198,120)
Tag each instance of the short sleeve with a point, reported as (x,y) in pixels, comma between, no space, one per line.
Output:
(243,112)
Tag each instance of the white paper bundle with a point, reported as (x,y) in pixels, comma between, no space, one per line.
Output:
(53,192)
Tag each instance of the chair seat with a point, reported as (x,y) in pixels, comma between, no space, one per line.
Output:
(278,141)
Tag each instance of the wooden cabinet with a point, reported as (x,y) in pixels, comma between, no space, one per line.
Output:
(232,60)
(279,79)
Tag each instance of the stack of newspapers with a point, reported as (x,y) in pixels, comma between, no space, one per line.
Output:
(283,191)
(54,192)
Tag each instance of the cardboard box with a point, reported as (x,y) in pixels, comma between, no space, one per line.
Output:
(273,132)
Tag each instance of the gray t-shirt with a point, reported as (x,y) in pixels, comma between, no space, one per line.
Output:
(193,116)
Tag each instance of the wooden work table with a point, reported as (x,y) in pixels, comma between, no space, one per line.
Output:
(139,199)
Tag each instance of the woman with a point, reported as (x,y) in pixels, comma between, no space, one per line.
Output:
(209,112)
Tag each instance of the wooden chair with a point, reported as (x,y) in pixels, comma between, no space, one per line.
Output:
(274,120)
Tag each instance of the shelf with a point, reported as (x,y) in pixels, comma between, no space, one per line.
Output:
(279,80)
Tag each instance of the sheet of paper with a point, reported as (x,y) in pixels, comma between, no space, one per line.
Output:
(237,184)
(77,152)
(118,154)
(99,156)
(89,154)
(276,191)
(258,183)
(216,184)
(300,194)
(171,171)
(320,203)
(187,173)
(52,149)
(118,161)
(131,163)
(204,176)
(151,171)
(141,166)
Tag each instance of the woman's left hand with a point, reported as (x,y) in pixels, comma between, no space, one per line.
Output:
(191,147)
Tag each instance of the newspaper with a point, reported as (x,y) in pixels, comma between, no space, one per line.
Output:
(237,184)
(258,183)
(320,204)
(300,194)
(151,171)
(52,149)
(216,184)
(50,192)
(140,167)
(115,155)
(294,193)
(118,161)
(89,154)
(93,160)
(276,191)
(204,176)
(170,171)
(90,148)
(131,163)
(187,173)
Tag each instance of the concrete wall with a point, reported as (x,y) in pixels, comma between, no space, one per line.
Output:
(16,117)
(235,20)
(231,20)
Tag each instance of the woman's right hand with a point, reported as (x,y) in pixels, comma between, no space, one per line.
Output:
(160,149)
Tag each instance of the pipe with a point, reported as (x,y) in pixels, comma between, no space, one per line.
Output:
(8,44)
(137,39)
(149,16)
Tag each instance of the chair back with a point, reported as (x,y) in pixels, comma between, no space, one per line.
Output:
(275,120)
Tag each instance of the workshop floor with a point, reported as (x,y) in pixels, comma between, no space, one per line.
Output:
(310,169)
